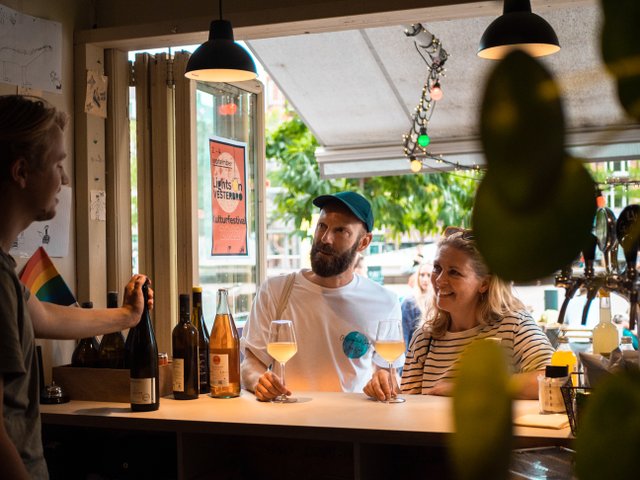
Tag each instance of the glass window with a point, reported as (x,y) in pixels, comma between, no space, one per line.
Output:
(228,112)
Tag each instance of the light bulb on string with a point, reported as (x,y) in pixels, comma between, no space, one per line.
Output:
(415,165)
(436,92)
(423,138)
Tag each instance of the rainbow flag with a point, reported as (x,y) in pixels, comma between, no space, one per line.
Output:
(40,276)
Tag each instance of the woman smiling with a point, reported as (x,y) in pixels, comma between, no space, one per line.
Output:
(468,303)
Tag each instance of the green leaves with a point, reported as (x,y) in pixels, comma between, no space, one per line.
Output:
(534,209)
(522,129)
(481,445)
(528,245)
(401,204)
(621,50)
(608,439)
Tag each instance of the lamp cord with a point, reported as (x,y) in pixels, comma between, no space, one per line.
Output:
(220,7)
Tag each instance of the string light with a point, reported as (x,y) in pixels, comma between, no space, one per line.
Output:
(416,141)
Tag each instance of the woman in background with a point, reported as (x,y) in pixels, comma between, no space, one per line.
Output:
(414,305)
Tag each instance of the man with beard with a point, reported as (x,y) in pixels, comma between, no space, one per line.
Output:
(335,313)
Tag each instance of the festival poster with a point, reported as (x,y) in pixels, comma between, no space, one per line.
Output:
(228,197)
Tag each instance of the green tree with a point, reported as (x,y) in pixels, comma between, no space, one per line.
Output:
(424,203)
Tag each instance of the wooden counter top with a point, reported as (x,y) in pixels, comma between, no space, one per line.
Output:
(421,420)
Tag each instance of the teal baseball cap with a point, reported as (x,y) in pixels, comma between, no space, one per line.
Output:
(356,203)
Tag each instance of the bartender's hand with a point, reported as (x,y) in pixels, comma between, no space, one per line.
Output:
(382,386)
(133,300)
(269,387)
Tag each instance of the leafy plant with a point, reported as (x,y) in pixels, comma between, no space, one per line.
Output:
(401,204)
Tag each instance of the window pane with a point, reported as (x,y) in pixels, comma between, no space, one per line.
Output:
(227,112)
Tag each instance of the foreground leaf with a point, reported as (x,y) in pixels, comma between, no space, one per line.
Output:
(481,444)
(524,246)
(608,439)
(522,130)
(621,50)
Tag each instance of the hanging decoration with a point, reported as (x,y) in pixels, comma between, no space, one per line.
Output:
(417,140)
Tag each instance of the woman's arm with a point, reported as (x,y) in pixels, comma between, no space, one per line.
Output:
(526,385)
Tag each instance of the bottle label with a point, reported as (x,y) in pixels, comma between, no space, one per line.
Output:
(143,390)
(219,366)
(204,370)
(178,374)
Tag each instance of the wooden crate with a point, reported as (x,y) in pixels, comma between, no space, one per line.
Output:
(104,384)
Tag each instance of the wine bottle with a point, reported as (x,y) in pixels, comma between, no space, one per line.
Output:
(143,361)
(605,334)
(184,340)
(111,352)
(86,352)
(197,317)
(224,352)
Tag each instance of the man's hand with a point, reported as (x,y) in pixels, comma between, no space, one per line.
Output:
(133,300)
(382,386)
(269,387)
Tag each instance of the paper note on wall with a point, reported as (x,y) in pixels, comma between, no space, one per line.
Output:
(30,51)
(98,206)
(53,234)
(96,98)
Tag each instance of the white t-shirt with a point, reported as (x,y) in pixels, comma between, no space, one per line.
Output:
(335,331)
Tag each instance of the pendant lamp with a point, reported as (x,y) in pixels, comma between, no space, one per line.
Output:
(518,28)
(220,59)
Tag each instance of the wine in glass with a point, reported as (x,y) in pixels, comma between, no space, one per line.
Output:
(282,346)
(390,346)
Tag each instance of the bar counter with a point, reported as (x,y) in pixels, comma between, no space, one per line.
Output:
(336,435)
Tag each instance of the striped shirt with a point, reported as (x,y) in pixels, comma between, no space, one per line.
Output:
(430,360)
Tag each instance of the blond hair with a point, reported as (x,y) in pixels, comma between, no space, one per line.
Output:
(496,302)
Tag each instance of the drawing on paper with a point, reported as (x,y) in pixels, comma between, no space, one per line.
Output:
(30,51)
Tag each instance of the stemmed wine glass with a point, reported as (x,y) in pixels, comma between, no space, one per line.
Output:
(282,346)
(390,346)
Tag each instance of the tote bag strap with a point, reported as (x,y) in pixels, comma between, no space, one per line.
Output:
(284,298)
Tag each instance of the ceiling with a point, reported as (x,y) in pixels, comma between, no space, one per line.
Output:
(357,89)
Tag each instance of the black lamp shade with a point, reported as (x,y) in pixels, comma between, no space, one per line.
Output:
(518,28)
(220,59)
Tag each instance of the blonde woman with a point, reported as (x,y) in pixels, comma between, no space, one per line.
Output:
(468,303)
(414,305)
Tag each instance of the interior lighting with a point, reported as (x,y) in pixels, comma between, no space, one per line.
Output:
(220,59)
(518,28)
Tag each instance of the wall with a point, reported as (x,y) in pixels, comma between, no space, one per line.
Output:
(73,15)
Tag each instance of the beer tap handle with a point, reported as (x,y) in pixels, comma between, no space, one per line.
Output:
(591,294)
(568,295)
(628,233)
(589,254)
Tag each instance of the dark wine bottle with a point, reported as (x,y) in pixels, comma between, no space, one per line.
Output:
(184,340)
(143,361)
(111,353)
(197,318)
(86,352)
(224,351)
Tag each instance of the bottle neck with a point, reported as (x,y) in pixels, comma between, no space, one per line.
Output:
(223,303)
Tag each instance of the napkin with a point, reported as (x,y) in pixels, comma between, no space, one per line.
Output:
(554,420)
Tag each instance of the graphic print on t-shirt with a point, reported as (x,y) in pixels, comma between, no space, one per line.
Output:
(355,344)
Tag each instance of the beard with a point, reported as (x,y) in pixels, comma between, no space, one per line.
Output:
(337,263)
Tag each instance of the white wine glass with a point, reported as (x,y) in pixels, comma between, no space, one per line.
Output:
(390,346)
(282,346)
